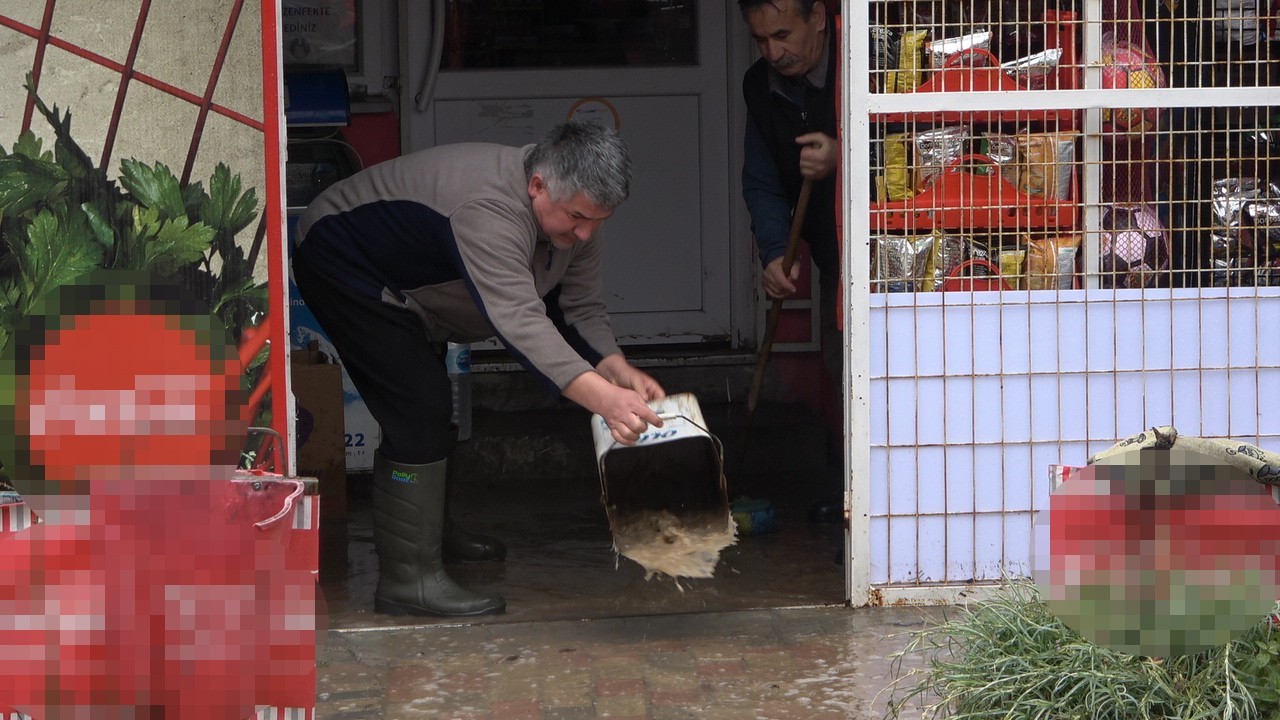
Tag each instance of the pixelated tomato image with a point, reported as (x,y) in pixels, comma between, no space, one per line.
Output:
(1159,552)
(143,591)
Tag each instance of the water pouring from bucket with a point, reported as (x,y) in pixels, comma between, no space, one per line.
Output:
(665,496)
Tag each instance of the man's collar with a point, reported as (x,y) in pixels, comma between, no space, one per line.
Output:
(817,77)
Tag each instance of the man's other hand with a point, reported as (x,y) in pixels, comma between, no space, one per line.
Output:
(618,371)
(778,284)
(820,155)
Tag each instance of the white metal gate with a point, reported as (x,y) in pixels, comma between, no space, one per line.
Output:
(1167,311)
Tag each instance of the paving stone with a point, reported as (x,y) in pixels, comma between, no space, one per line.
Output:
(584,712)
(621,706)
(609,687)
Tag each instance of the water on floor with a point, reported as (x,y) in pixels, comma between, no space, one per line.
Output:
(561,564)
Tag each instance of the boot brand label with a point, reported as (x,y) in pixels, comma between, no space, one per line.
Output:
(404,477)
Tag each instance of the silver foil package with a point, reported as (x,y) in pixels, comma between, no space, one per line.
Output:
(1244,241)
(939,50)
(935,150)
(893,262)
(1033,70)
(917,263)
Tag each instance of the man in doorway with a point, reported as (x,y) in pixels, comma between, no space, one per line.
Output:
(790,94)
(461,243)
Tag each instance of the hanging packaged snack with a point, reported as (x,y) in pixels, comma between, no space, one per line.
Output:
(1003,151)
(1046,164)
(1245,233)
(884,58)
(1136,250)
(898,184)
(939,50)
(935,150)
(1230,250)
(949,252)
(897,261)
(1264,221)
(909,74)
(1012,263)
(1033,71)
(1051,261)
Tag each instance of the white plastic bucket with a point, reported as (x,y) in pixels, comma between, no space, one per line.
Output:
(665,496)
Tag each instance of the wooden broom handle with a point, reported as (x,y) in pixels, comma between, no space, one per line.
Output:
(775,310)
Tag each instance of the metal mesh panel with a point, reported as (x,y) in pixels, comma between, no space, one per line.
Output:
(1073,234)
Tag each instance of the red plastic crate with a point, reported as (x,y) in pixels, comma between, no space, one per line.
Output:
(964,200)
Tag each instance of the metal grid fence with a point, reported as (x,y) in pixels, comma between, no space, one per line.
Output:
(1068,232)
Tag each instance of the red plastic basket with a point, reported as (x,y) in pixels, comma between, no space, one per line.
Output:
(964,200)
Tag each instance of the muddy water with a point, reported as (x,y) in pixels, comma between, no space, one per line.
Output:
(561,564)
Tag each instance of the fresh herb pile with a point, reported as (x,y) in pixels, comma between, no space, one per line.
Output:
(1010,658)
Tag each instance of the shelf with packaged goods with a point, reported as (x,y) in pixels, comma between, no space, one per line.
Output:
(965,71)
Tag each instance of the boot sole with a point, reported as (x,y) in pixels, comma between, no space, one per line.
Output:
(391,607)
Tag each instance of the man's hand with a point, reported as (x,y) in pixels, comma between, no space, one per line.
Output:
(618,371)
(624,410)
(820,155)
(778,284)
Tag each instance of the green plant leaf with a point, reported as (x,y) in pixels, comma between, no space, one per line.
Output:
(26,183)
(154,187)
(55,253)
(175,245)
(227,210)
(32,146)
(103,229)
(194,198)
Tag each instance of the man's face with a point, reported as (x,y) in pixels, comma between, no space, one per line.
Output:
(568,221)
(788,41)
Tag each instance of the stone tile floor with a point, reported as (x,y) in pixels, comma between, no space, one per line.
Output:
(810,663)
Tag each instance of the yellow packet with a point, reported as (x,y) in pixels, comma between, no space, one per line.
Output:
(909,74)
(897,169)
(1011,267)
(1051,262)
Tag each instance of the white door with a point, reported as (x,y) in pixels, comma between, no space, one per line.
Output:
(657,70)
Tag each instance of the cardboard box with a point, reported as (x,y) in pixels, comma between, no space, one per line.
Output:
(317,388)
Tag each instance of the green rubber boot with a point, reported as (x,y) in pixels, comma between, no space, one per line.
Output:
(408,525)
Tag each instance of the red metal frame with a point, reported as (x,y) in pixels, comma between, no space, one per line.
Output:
(277,277)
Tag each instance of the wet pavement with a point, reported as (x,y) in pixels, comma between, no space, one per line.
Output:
(585,634)
(812,663)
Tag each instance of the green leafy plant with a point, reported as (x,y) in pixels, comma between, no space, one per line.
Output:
(1009,657)
(60,217)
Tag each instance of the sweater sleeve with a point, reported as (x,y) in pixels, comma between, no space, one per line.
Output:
(495,245)
(582,308)
(766,199)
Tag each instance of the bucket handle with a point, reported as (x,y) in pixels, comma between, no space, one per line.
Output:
(604,494)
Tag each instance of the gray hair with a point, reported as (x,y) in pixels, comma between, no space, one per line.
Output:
(579,157)
(804,7)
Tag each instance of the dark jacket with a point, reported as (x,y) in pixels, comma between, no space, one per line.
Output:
(779,119)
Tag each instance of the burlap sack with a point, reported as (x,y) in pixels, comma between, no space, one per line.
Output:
(1261,465)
